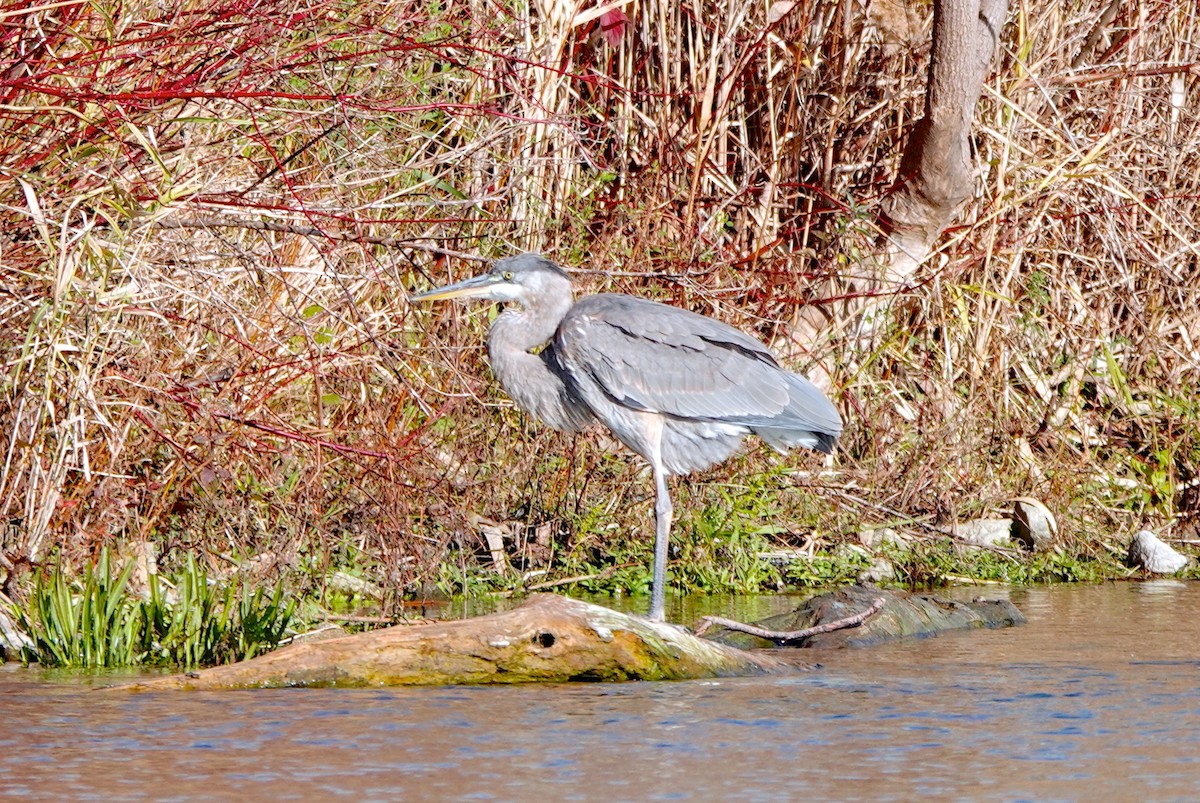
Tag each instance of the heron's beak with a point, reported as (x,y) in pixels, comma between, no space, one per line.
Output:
(480,286)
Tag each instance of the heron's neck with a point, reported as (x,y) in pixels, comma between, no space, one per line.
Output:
(527,377)
(523,328)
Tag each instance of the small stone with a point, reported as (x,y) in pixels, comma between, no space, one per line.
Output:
(984,532)
(850,552)
(1149,552)
(881,570)
(351,585)
(881,537)
(1034,526)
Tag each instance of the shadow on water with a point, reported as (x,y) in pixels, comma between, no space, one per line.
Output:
(1097,696)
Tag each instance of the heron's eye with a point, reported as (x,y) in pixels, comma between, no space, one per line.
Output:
(508,274)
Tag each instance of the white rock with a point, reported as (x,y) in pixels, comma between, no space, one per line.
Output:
(984,532)
(1149,552)
(1033,524)
(874,538)
(880,571)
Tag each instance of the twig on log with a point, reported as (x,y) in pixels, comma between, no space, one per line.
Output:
(783,637)
(365,620)
(580,578)
(971,581)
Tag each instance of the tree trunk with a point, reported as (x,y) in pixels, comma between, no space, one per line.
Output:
(935,171)
(936,174)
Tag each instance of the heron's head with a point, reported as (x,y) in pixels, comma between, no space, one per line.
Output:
(525,278)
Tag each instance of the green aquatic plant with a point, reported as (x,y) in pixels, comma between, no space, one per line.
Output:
(89,622)
(825,570)
(723,554)
(937,563)
(95,620)
(208,623)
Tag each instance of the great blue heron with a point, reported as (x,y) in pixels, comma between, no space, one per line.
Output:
(680,389)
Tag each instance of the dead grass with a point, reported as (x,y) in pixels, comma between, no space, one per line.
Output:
(211,216)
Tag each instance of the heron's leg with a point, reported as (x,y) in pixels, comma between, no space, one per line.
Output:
(662,534)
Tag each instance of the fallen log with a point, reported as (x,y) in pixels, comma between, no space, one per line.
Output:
(554,639)
(903,615)
(548,638)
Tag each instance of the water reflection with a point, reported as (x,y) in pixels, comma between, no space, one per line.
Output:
(1097,696)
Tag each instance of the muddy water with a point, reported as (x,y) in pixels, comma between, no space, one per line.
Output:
(1098,697)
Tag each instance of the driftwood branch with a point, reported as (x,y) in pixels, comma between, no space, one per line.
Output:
(783,637)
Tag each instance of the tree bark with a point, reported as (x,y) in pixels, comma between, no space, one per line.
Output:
(935,171)
(935,178)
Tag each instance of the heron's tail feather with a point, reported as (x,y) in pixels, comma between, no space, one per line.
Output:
(782,439)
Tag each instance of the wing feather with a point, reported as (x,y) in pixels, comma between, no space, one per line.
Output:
(649,356)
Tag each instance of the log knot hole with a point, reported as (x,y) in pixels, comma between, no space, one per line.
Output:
(544,640)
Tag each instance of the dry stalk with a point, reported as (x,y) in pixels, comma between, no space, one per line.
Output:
(262,383)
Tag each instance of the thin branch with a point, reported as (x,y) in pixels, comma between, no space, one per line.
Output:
(309,231)
(580,578)
(784,637)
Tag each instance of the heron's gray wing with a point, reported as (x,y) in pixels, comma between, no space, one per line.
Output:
(650,356)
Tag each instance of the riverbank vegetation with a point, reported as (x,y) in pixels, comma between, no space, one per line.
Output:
(212,214)
(93,618)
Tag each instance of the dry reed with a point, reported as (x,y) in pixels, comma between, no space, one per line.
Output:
(211,215)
